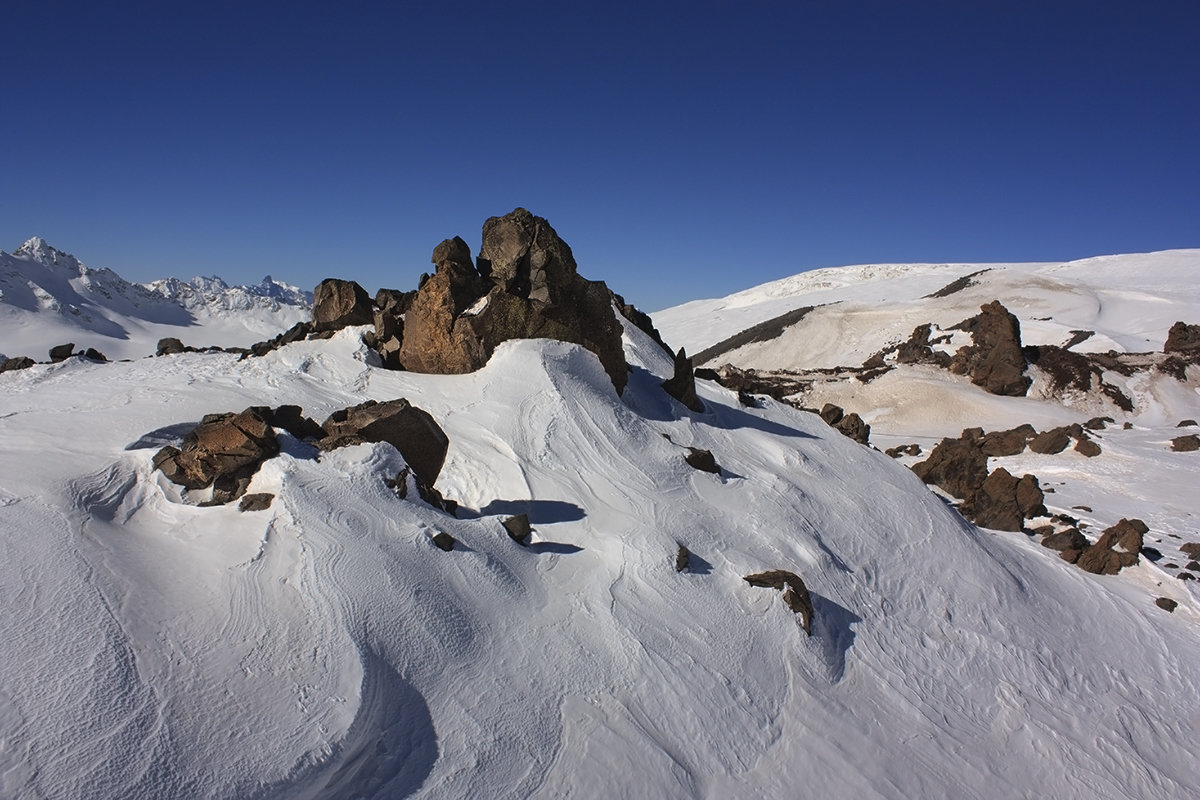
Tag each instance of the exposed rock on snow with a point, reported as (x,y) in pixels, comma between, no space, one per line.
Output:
(683,557)
(1186,444)
(409,429)
(17,362)
(259,501)
(957,465)
(1003,502)
(795,593)
(1117,547)
(443,541)
(994,360)
(1182,338)
(229,446)
(682,384)
(62,352)
(517,528)
(339,304)
(702,460)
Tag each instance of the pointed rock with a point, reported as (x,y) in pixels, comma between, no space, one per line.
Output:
(682,385)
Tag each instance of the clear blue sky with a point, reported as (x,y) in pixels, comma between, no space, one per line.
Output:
(683,149)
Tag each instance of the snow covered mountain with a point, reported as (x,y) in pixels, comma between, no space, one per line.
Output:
(48,297)
(325,647)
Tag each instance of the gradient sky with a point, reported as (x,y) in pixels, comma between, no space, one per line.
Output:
(682,149)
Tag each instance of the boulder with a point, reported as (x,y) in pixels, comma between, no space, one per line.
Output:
(956,465)
(94,355)
(1051,441)
(994,360)
(1117,547)
(1004,502)
(1182,338)
(1069,539)
(702,460)
(409,429)
(443,541)
(832,414)
(1190,549)
(525,287)
(1007,443)
(795,593)
(259,501)
(1185,444)
(338,304)
(682,385)
(62,352)
(169,346)
(518,528)
(1087,447)
(1165,603)
(18,362)
(682,558)
(852,425)
(227,448)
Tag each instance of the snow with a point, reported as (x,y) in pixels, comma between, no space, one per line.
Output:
(48,298)
(325,648)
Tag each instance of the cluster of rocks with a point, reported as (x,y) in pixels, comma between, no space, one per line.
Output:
(850,425)
(226,450)
(1118,546)
(58,354)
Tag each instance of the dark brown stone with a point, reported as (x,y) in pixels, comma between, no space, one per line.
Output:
(795,593)
(223,451)
(1069,539)
(1117,547)
(409,429)
(994,360)
(956,465)
(682,558)
(18,362)
(169,346)
(1051,441)
(518,528)
(1182,338)
(1166,603)
(1007,443)
(1087,447)
(831,413)
(1190,549)
(443,541)
(1003,502)
(339,304)
(1185,444)
(259,501)
(682,385)
(702,460)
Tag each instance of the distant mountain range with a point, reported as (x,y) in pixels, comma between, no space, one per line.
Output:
(48,297)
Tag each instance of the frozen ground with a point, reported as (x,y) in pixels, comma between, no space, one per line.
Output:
(325,648)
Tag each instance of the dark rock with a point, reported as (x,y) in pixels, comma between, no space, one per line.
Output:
(994,360)
(227,448)
(169,346)
(1128,426)
(531,289)
(409,429)
(62,352)
(682,385)
(1007,443)
(1186,576)
(852,425)
(1185,444)
(956,285)
(339,304)
(1190,549)
(682,559)
(1182,338)
(795,593)
(1165,603)
(518,528)
(1186,423)
(1097,423)
(1051,441)
(1070,539)
(1071,555)
(259,501)
(641,320)
(94,355)
(956,465)
(706,374)
(748,400)
(702,460)
(831,413)
(1004,502)
(1077,337)
(1117,547)
(903,450)
(18,362)
(1192,565)
(1087,447)
(443,541)
(919,350)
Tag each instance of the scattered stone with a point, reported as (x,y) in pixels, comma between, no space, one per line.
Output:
(443,541)
(795,593)
(1087,447)
(1182,338)
(903,450)
(62,352)
(1117,547)
(1070,539)
(409,429)
(259,501)
(1185,444)
(994,360)
(682,385)
(18,362)
(1166,603)
(682,558)
(702,460)
(1087,509)
(339,304)
(518,528)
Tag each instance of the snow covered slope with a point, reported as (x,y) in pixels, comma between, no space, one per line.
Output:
(1128,301)
(48,297)
(325,648)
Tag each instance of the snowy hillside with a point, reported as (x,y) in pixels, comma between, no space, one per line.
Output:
(325,648)
(48,298)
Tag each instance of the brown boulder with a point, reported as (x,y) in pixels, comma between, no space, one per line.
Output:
(1185,444)
(1117,547)
(338,304)
(795,593)
(1166,603)
(227,448)
(18,362)
(1007,443)
(956,465)
(1182,338)
(682,385)
(259,501)
(683,558)
(994,360)
(1087,447)
(409,429)
(1004,502)
(443,541)
(702,460)
(1069,539)
(852,426)
(1051,441)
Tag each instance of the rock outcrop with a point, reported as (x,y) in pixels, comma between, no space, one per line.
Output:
(795,593)
(994,360)
(682,385)
(1117,547)
(956,465)
(223,451)
(409,429)
(17,362)
(338,304)
(1003,502)
(1183,338)
(850,425)
(525,286)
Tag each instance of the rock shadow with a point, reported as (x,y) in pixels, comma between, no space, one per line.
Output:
(389,750)
(697,565)
(161,437)
(557,548)
(832,629)
(541,512)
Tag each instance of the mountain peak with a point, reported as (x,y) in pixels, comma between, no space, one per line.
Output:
(39,250)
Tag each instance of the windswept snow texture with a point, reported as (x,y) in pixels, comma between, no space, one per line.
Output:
(325,647)
(48,298)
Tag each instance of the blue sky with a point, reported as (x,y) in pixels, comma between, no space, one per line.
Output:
(683,149)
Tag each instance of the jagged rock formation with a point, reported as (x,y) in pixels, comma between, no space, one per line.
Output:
(682,385)
(918,350)
(1117,547)
(994,360)
(795,593)
(17,362)
(338,304)
(1183,338)
(524,286)
(1003,502)
(224,449)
